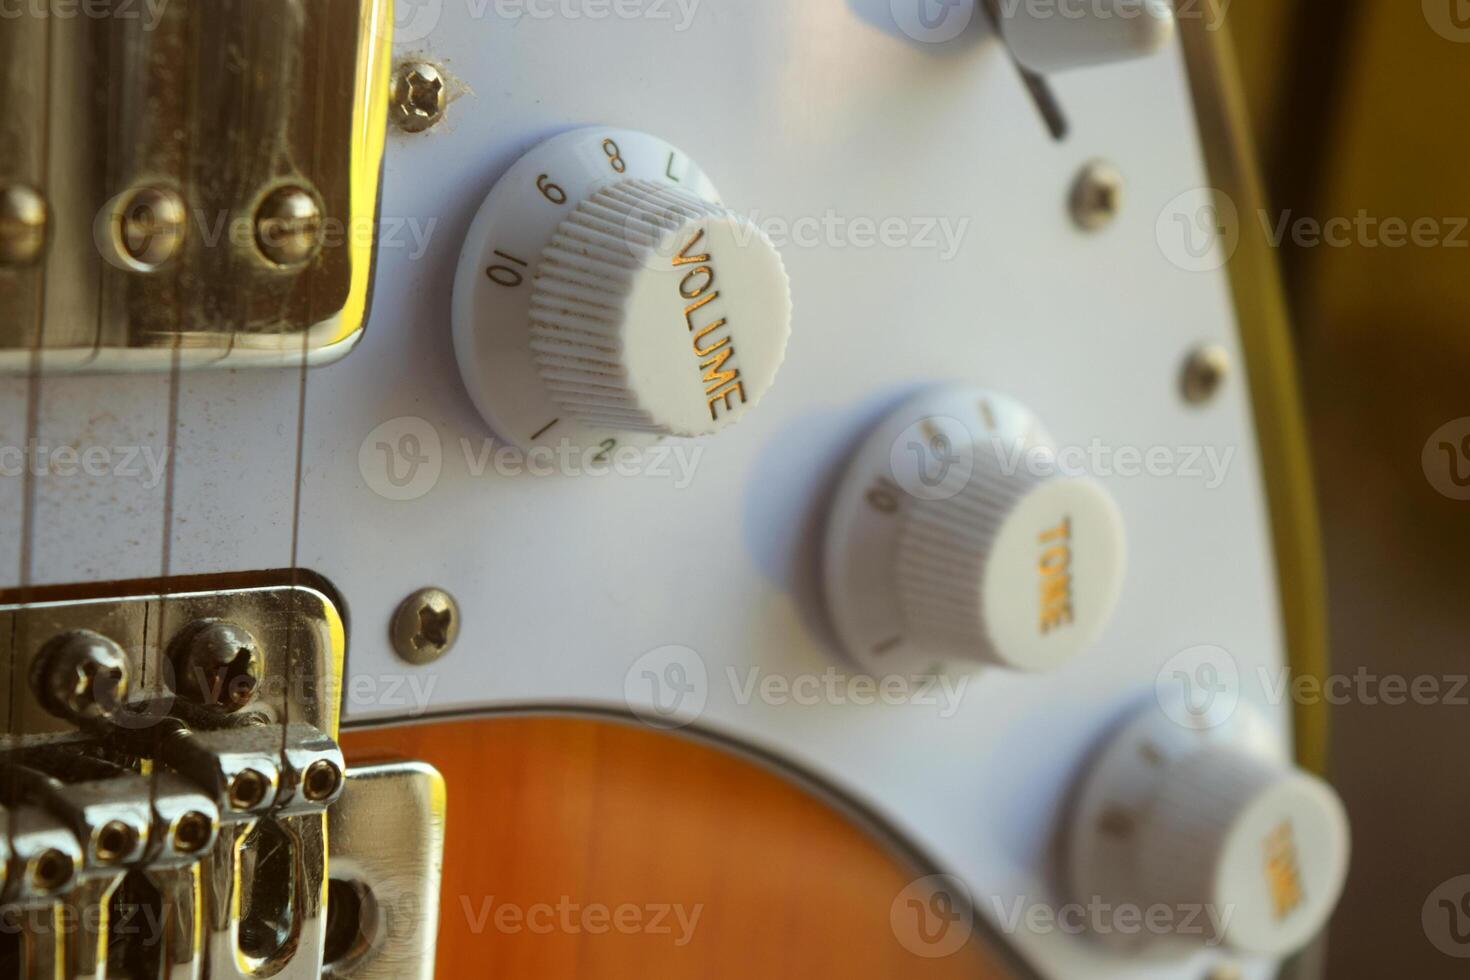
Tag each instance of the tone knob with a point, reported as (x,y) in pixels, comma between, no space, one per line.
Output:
(1048,38)
(606,298)
(1215,826)
(956,536)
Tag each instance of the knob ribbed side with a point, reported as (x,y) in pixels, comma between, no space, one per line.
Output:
(943,547)
(586,277)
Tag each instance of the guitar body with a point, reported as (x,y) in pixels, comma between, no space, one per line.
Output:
(387,560)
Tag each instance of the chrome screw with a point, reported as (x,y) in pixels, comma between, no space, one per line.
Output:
(321,781)
(217,665)
(23,222)
(419,97)
(1205,372)
(81,676)
(49,870)
(425,626)
(151,225)
(115,841)
(248,789)
(288,226)
(192,832)
(1097,195)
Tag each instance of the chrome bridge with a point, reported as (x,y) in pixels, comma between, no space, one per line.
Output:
(173,801)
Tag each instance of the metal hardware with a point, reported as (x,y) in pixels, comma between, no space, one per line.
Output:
(1097,195)
(425,626)
(218,666)
(210,186)
(1205,372)
(384,912)
(22,225)
(218,798)
(81,675)
(288,227)
(419,96)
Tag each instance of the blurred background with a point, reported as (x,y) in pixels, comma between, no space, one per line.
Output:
(1358,108)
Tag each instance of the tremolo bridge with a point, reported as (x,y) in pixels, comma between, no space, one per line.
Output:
(172,797)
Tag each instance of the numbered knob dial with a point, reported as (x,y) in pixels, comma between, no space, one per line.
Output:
(605,298)
(956,536)
(1215,826)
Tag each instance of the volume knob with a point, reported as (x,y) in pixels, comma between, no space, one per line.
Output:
(605,298)
(656,311)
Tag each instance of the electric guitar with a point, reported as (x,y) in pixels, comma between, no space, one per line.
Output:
(679,488)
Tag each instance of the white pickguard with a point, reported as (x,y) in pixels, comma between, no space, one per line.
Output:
(796,110)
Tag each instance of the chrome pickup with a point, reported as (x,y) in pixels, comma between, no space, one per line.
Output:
(194,179)
(173,802)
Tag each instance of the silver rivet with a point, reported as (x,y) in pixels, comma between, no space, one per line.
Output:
(193,832)
(151,224)
(81,676)
(419,97)
(50,870)
(425,626)
(288,227)
(22,225)
(217,665)
(115,841)
(1097,195)
(248,789)
(1205,372)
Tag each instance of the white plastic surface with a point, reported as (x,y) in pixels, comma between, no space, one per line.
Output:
(1057,36)
(574,585)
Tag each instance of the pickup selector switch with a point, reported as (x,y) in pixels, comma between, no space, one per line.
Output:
(605,298)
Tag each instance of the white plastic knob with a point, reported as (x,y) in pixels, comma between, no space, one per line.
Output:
(949,542)
(1232,831)
(656,311)
(1015,570)
(605,298)
(1048,38)
(1214,827)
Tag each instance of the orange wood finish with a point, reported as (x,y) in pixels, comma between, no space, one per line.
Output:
(552,821)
